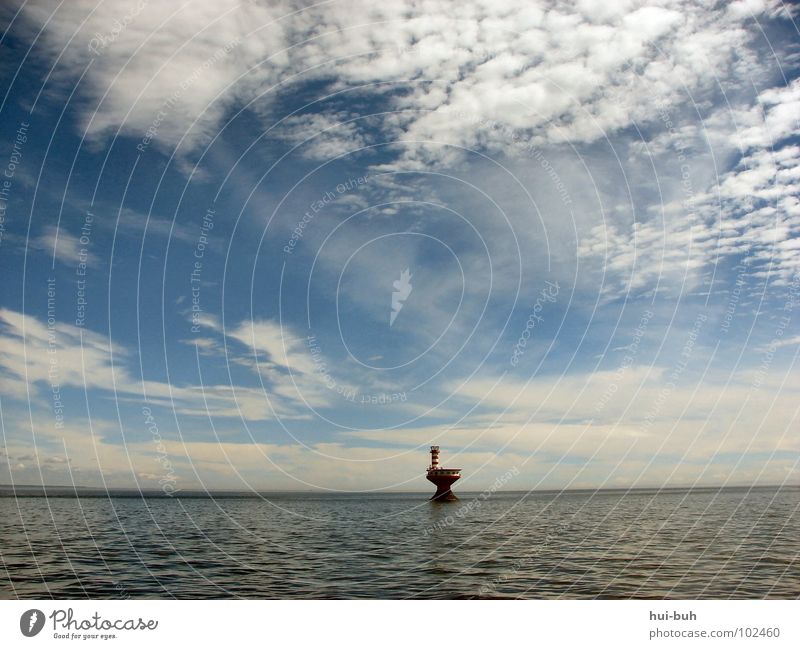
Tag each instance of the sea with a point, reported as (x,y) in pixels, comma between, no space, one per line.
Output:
(666,543)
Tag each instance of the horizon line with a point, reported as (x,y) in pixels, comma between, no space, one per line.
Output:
(199,492)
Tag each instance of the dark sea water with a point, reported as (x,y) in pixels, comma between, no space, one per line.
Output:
(732,543)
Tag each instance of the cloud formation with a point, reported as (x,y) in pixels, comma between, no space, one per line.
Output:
(565,73)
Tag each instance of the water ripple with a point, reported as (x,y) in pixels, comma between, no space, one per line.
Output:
(731,543)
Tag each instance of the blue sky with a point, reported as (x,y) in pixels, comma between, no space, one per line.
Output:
(209,210)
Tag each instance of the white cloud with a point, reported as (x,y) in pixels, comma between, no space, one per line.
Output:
(59,244)
(282,347)
(65,355)
(553,73)
(642,431)
(567,73)
(751,210)
(322,136)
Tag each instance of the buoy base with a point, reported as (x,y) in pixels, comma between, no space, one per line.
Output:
(443,479)
(444,497)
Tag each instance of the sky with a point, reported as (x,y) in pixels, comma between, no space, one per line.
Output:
(290,245)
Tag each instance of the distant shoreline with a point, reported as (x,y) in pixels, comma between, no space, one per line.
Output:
(61,491)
